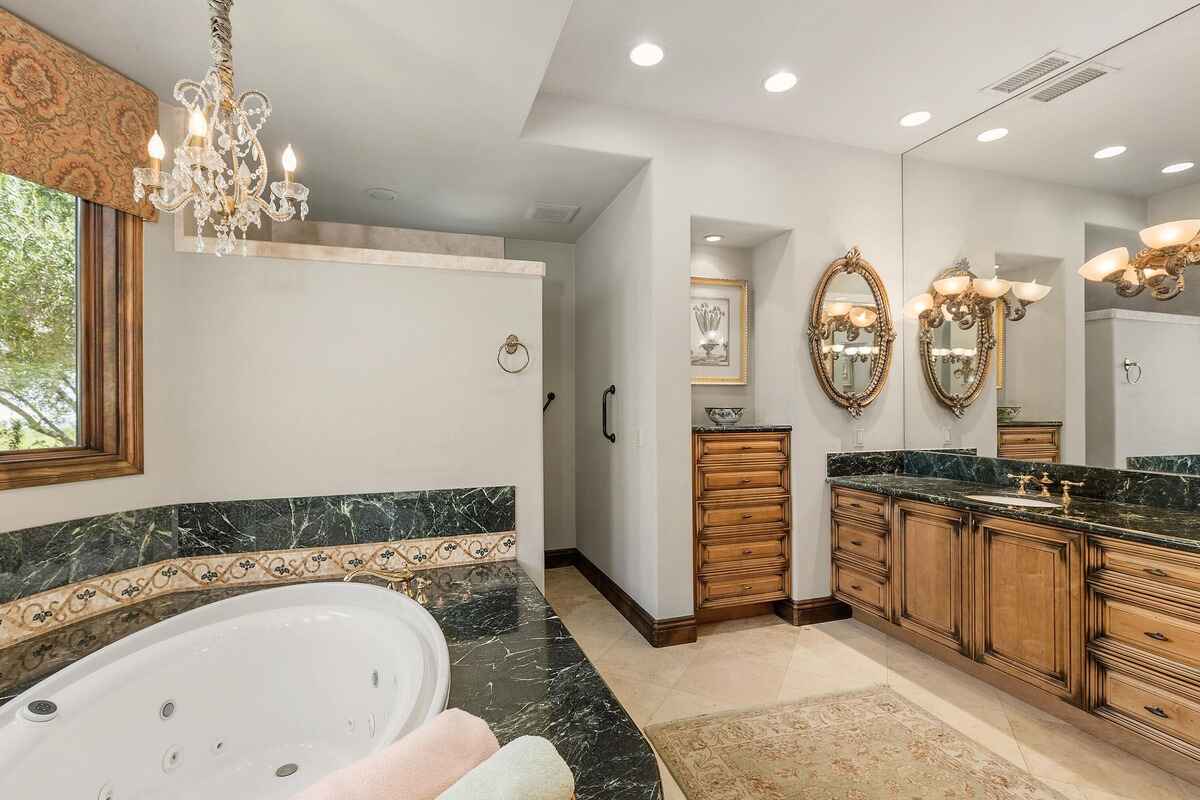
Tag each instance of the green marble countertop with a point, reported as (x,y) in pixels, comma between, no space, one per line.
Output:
(1165,527)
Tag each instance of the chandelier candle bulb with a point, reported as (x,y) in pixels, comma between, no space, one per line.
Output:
(197,125)
(158,152)
(1170,234)
(1105,264)
(289,163)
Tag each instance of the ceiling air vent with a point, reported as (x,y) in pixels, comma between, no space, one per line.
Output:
(1031,73)
(1078,78)
(557,213)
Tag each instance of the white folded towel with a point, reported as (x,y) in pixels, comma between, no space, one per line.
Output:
(528,768)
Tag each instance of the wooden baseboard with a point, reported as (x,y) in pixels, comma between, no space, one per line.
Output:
(564,557)
(813,611)
(658,632)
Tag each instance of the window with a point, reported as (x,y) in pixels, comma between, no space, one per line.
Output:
(70,338)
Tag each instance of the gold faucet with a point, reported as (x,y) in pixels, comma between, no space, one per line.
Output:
(1066,491)
(1022,482)
(402,575)
(1045,482)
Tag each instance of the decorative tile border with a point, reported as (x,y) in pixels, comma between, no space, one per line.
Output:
(50,610)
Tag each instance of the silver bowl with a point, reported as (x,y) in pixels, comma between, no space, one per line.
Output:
(723,415)
(1007,413)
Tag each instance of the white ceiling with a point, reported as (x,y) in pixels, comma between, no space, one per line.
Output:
(1149,104)
(427,98)
(737,234)
(861,64)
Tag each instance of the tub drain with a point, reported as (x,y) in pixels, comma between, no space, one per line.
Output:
(287,770)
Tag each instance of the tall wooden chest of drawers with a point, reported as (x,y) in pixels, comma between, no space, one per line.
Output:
(741,519)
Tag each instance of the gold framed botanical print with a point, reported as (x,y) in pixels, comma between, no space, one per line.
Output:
(719,321)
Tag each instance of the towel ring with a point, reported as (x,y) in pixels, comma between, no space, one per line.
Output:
(510,346)
(1132,365)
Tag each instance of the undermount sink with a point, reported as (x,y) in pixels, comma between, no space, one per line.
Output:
(1004,500)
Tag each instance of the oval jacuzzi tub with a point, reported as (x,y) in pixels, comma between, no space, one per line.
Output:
(255,697)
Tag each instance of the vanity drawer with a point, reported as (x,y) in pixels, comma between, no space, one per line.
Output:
(864,505)
(735,481)
(723,448)
(1163,572)
(723,555)
(1138,704)
(747,588)
(860,588)
(862,541)
(1024,437)
(1149,629)
(728,516)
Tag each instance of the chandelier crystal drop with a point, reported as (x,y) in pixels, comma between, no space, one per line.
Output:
(221,168)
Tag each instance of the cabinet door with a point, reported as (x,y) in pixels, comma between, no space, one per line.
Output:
(930,575)
(1028,620)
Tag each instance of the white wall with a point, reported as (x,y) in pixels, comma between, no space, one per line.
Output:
(831,197)
(951,212)
(1036,346)
(1180,203)
(268,378)
(1150,417)
(728,263)
(558,376)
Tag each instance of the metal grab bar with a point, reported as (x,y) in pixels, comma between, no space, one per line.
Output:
(549,399)
(612,437)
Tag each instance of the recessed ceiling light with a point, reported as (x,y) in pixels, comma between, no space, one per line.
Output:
(915,118)
(1109,152)
(713,238)
(382,194)
(992,135)
(1182,166)
(779,82)
(646,54)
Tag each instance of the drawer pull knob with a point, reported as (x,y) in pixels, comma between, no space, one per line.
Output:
(747,447)
(856,542)
(856,587)
(1158,573)
(746,587)
(1157,711)
(1156,636)
(749,551)
(747,516)
(747,480)
(854,505)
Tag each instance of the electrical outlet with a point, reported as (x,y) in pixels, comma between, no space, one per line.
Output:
(947,437)
(859,434)
(635,437)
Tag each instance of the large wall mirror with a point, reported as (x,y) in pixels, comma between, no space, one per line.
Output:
(1084,181)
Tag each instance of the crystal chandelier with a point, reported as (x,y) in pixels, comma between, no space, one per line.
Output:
(1171,248)
(221,168)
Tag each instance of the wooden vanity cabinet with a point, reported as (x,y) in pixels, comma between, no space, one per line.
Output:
(741,516)
(1109,627)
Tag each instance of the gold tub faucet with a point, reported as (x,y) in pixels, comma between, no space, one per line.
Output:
(1066,491)
(1022,482)
(402,576)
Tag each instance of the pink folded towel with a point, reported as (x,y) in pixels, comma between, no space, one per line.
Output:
(419,766)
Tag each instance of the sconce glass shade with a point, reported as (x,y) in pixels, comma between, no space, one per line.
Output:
(1170,234)
(991,288)
(951,287)
(839,309)
(918,305)
(837,348)
(1105,264)
(863,317)
(1030,292)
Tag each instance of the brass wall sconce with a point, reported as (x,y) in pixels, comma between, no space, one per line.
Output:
(957,296)
(1171,248)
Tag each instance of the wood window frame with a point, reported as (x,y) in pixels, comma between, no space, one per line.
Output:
(110,360)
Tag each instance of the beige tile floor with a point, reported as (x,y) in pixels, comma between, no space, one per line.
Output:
(764,660)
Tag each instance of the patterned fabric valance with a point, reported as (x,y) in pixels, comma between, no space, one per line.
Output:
(69,122)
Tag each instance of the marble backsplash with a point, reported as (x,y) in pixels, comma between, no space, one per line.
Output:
(38,559)
(1183,465)
(872,462)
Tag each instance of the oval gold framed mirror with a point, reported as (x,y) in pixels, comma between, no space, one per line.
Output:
(956,348)
(850,333)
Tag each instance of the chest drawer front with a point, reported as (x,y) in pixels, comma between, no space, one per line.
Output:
(1163,570)
(1129,699)
(856,539)
(747,588)
(724,554)
(721,448)
(734,481)
(860,588)
(1023,437)
(1151,630)
(864,505)
(725,516)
